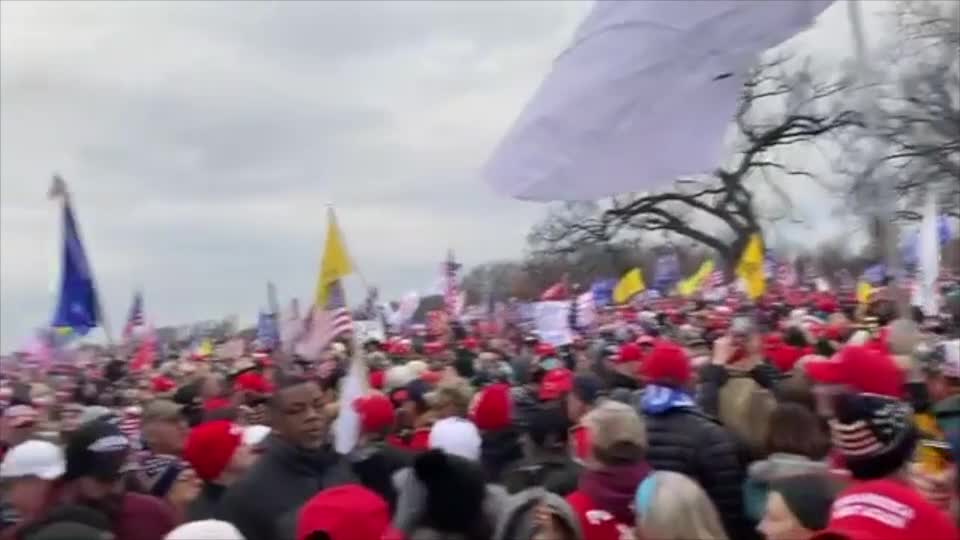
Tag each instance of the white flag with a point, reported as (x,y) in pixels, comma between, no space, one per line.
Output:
(929,257)
(643,96)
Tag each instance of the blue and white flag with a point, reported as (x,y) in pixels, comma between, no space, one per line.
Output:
(667,273)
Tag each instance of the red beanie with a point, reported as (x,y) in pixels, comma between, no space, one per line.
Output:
(667,363)
(376,412)
(492,409)
(210,447)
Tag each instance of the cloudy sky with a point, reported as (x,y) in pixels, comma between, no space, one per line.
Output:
(202,142)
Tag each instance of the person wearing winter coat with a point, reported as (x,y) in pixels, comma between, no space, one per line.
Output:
(547,461)
(614,467)
(297,464)
(500,440)
(683,439)
(374,461)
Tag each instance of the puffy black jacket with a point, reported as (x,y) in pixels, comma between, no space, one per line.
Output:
(265,502)
(499,450)
(687,441)
(375,465)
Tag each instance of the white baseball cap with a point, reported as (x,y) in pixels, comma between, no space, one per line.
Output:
(40,459)
(456,436)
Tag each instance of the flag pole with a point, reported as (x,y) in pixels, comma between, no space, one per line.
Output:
(60,189)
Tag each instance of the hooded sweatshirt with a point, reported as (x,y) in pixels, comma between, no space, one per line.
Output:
(762,473)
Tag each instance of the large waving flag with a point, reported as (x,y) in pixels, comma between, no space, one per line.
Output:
(330,317)
(78,307)
(751,268)
(697,281)
(630,285)
(336,263)
(643,95)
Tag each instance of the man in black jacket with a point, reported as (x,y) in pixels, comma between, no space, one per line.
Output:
(374,461)
(297,464)
(683,439)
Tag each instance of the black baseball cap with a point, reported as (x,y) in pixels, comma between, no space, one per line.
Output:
(97,449)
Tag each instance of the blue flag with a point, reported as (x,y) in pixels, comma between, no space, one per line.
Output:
(268,334)
(667,273)
(78,308)
(603,292)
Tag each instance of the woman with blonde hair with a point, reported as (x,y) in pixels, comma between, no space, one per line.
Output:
(671,506)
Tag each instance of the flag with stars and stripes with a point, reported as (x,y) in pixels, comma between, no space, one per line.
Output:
(452,300)
(327,323)
(135,316)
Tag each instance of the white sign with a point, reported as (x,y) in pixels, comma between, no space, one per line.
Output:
(367,330)
(552,321)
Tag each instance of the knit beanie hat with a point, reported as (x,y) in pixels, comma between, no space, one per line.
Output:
(207,529)
(809,497)
(874,433)
(210,447)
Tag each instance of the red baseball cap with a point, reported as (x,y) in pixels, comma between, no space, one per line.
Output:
(556,383)
(210,447)
(376,412)
(862,368)
(667,362)
(886,510)
(349,512)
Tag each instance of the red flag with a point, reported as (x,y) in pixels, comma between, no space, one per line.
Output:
(558,291)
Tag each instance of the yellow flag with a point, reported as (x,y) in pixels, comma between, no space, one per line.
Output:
(205,348)
(864,292)
(750,267)
(336,262)
(629,285)
(695,282)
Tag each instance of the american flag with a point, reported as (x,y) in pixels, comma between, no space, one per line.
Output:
(715,280)
(328,323)
(451,289)
(135,317)
(786,274)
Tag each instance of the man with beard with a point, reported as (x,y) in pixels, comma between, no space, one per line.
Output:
(96,456)
(298,463)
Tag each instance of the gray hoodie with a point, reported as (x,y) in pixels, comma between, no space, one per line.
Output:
(517,522)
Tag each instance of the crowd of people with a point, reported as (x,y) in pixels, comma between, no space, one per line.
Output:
(705,421)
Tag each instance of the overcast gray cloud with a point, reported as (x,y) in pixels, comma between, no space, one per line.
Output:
(202,141)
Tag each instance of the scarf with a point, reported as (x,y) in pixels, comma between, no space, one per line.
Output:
(660,399)
(613,488)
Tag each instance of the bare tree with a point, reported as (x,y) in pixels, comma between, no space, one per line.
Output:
(916,124)
(779,108)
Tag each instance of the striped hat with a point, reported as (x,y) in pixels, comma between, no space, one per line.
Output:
(874,433)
